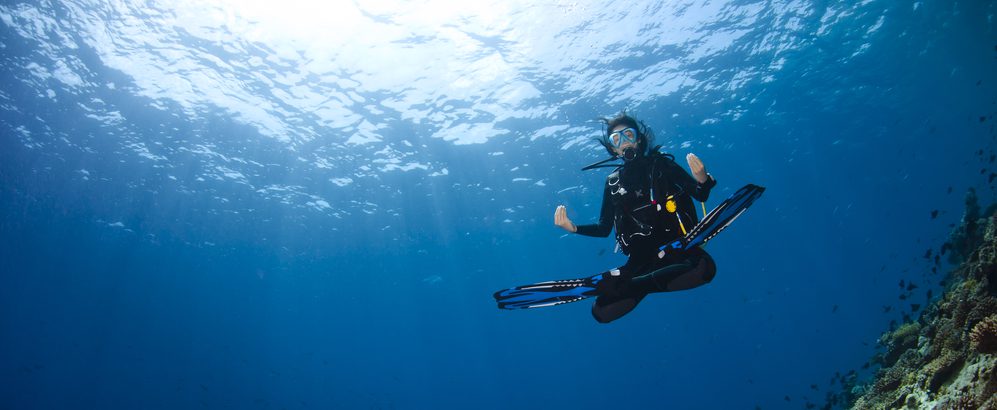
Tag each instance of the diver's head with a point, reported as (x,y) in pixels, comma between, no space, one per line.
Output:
(625,137)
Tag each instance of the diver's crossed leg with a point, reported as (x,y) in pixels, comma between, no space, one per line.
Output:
(618,290)
(616,300)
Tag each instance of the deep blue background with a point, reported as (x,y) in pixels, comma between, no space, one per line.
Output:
(192,303)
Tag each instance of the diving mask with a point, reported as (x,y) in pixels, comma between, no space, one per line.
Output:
(620,137)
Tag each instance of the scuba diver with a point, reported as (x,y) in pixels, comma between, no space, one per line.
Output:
(649,201)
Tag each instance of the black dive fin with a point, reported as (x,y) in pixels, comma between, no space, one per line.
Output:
(718,219)
(550,293)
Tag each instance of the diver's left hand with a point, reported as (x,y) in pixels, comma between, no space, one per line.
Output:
(697,167)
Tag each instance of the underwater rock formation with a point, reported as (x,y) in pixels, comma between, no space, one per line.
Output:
(947,358)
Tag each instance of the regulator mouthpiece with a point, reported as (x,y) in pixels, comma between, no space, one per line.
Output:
(629,154)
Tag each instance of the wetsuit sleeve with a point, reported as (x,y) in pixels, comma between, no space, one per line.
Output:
(605,225)
(699,192)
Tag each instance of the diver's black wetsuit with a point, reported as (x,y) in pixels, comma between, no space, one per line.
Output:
(643,223)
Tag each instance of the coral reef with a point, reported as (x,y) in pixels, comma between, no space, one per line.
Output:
(947,358)
(964,238)
(901,340)
(983,337)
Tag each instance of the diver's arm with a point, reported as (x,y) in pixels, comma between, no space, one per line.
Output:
(561,219)
(605,225)
(697,168)
(699,186)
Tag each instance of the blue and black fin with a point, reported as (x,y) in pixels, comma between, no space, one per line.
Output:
(718,219)
(550,293)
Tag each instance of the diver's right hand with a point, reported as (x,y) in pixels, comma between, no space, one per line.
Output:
(561,219)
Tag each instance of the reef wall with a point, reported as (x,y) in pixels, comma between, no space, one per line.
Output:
(947,358)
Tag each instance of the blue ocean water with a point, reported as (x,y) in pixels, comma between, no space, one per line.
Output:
(291,205)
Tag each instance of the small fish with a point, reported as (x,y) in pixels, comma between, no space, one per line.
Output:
(934,214)
(813,387)
(902,284)
(834,308)
(927,254)
(950,190)
(887,309)
(914,307)
(903,297)
(929,294)
(785,398)
(911,286)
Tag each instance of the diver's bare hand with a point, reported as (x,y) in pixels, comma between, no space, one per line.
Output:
(561,219)
(697,167)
